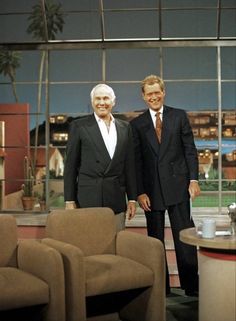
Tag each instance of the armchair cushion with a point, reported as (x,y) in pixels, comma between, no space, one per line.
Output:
(97,237)
(113,273)
(14,283)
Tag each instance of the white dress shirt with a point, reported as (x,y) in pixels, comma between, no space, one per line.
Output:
(109,135)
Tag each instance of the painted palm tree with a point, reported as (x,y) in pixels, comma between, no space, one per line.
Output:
(9,62)
(45,22)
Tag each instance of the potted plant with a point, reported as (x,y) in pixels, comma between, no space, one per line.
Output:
(28,197)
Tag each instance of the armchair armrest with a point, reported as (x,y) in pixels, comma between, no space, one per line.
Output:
(141,248)
(73,260)
(149,252)
(45,263)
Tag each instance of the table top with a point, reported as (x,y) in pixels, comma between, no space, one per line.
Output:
(190,236)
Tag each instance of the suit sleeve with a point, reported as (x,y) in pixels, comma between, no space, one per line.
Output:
(72,163)
(131,189)
(190,150)
(138,159)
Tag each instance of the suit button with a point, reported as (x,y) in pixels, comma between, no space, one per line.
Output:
(97,161)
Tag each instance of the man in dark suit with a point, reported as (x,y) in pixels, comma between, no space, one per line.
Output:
(99,168)
(167,175)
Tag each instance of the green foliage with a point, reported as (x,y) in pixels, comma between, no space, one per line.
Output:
(9,62)
(54,20)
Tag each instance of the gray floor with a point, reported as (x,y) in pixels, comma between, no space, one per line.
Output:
(180,307)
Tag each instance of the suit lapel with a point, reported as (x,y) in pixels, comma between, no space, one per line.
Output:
(168,121)
(150,131)
(96,137)
(121,136)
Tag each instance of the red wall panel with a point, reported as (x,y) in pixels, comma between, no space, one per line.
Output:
(17,140)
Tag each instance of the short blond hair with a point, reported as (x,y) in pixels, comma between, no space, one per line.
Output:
(151,80)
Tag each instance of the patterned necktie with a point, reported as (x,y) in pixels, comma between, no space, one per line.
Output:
(158,126)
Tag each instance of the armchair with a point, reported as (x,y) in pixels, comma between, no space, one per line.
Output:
(108,275)
(31,278)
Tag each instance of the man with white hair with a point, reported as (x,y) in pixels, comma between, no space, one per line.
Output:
(99,168)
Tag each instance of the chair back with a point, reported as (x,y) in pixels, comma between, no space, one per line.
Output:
(93,230)
(8,240)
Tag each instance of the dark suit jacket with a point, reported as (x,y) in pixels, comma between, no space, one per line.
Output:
(91,177)
(163,171)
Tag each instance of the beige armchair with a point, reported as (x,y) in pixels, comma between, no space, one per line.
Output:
(31,278)
(108,275)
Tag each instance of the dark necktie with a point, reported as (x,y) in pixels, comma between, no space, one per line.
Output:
(158,126)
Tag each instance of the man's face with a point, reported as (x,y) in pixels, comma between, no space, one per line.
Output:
(102,103)
(153,96)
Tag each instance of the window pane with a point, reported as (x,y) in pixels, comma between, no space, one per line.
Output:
(29,66)
(228,63)
(114,4)
(229,156)
(131,64)
(228,3)
(228,23)
(28,94)
(6,94)
(70,98)
(229,95)
(81,65)
(13,28)
(81,5)
(56,191)
(130,26)
(189,3)
(83,25)
(189,63)
(189,24)
(16,6)
(128,97)
(192,95)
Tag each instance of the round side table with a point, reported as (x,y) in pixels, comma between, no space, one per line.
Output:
(217,275)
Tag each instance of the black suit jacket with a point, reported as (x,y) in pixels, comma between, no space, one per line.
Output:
(91,177)
(163,171)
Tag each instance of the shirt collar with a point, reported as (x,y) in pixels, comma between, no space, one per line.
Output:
(153,112)
(98,119)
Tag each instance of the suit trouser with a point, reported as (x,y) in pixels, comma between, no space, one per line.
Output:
(186,255)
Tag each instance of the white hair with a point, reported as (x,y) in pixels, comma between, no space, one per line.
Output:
(108,89)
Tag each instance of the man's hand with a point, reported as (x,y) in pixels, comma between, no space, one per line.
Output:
(70,205)
(194,189)
(144,202)
(131,210)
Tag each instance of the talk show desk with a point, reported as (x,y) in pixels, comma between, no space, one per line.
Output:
(217,275)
